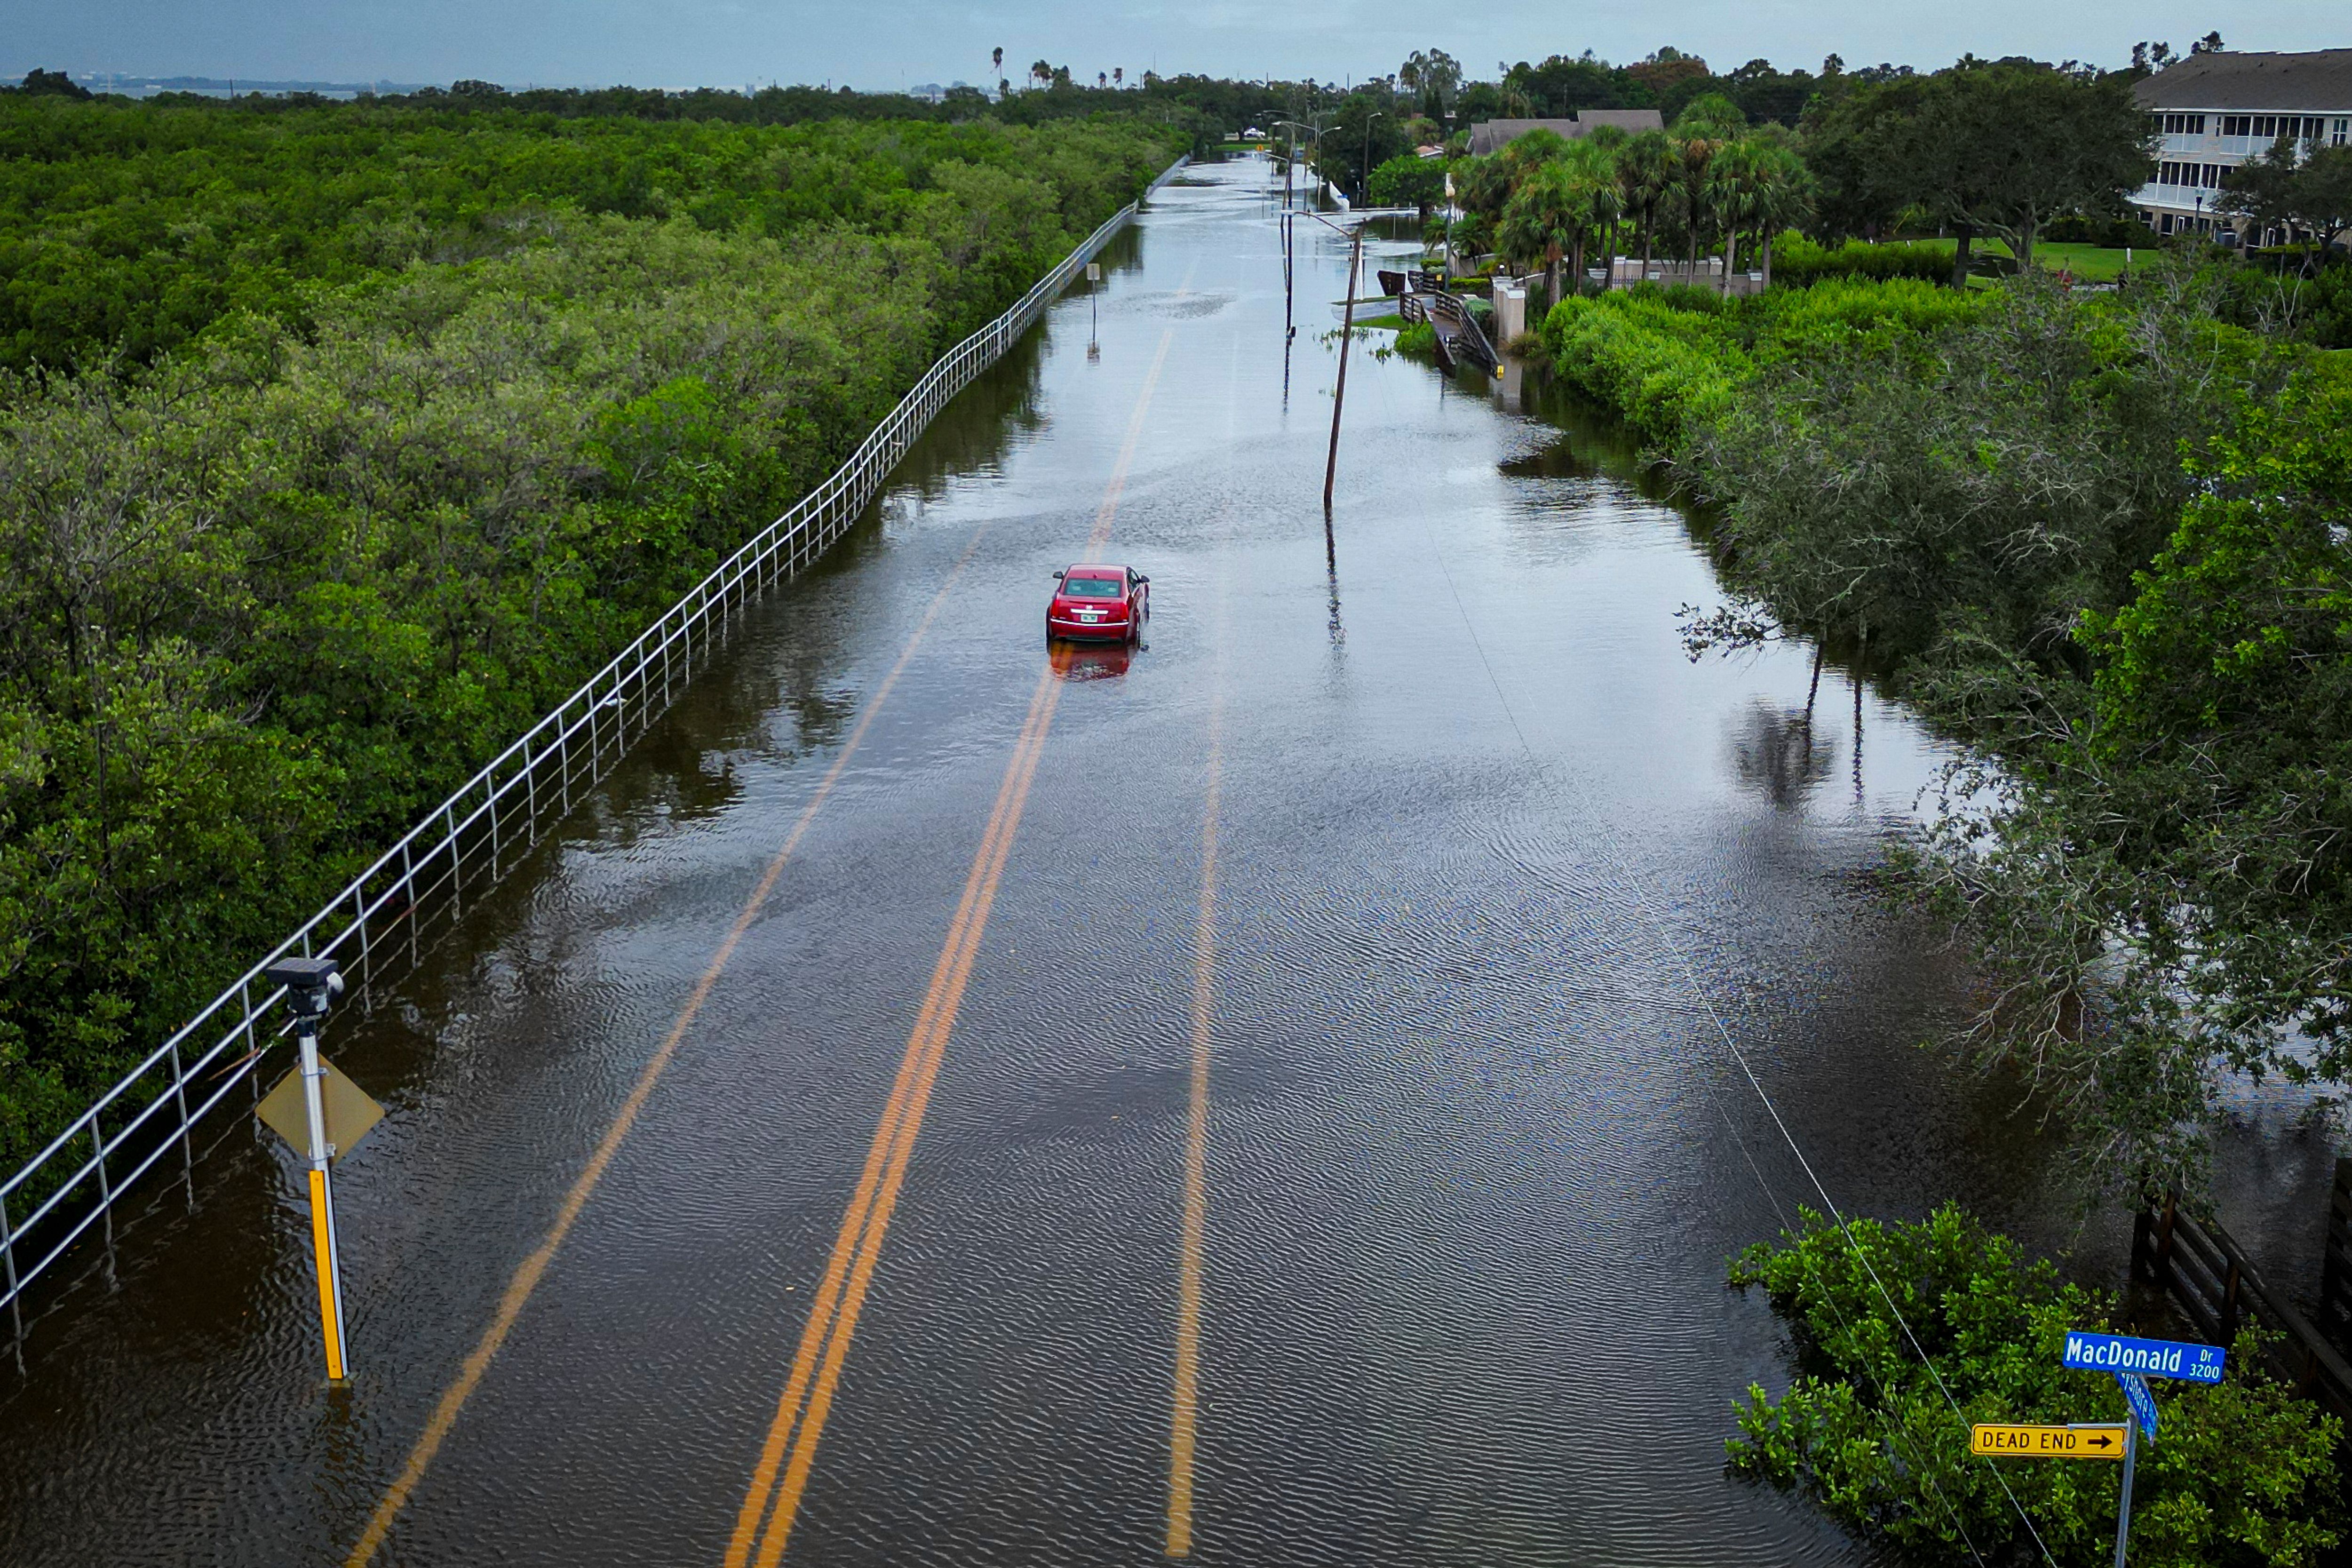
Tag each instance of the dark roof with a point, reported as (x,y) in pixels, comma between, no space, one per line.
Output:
(2315,83)
(1489,136)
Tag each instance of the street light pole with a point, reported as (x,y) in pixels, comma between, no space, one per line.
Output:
(1366,190)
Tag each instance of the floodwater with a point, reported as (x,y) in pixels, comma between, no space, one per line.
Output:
(1290,1083)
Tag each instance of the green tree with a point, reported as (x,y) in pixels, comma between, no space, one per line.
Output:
(1409,180)
(2287,188)
(1712,115)
(1646,172)
(1781,197)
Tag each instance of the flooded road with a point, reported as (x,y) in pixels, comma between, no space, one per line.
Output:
(1276,1096)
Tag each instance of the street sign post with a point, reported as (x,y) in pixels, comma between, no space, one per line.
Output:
(2085,1441)
(2150,1358)
(2134,1362)
(309,983)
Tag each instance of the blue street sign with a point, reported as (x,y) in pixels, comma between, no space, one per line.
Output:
(2150,1358)
(2142,1403)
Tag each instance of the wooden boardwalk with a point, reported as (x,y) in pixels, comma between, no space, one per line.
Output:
(1460,339)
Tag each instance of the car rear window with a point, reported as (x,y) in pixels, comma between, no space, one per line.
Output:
(1093,588)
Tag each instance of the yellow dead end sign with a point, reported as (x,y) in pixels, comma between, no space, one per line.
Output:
(350,1113)
(2086,1442)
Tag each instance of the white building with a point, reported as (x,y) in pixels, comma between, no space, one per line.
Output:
(2219,110)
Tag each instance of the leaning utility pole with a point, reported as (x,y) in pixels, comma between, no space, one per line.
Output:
(1339,394)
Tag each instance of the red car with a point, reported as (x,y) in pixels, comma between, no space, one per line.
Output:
(1108,604)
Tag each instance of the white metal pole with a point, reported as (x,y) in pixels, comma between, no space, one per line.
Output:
(2123,1507)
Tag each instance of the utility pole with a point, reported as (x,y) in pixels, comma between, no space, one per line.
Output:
(1340,396)
(309,983)
(1289,247)
(1367,188)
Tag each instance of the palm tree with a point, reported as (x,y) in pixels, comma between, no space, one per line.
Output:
(1591,172)
(1732,193)
(1692,157)
(1042,73)
(1118,76)
(1546,216)
(996,64)
(1785,198)
(1646,178)
(1102,80)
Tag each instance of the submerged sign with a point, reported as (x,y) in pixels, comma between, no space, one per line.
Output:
(2150,1358)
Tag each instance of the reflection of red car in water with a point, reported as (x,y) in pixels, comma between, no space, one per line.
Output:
(1088,660)
(1107,603)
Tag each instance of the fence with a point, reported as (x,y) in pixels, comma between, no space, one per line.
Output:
(1460,339)
(2218,1289)
(380,926)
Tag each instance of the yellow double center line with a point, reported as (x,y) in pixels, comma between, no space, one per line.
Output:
(1191,1246)
(1193,1239)
(527,1277)
(764,1526)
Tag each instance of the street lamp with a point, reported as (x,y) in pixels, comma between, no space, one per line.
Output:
(1295,127)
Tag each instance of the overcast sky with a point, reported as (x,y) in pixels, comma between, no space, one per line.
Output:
(888,45)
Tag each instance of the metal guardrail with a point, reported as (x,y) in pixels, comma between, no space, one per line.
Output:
(379,927)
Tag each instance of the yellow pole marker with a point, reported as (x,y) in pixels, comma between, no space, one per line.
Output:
(1998,1440)
(330,1274)
(527,1276)
(780,1476)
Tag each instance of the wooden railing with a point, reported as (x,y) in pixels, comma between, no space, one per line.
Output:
(2210,1278)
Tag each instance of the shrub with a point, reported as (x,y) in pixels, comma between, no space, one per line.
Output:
(1874,1424)
(1799,263)
(1664,370)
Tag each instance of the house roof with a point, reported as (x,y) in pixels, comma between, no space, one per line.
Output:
(2315,83)
(1489,136)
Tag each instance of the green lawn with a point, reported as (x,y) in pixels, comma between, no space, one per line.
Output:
(2091,263)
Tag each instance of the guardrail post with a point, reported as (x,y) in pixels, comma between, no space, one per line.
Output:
(456,865)
(408,884)
(367,958)
(105,1199)
(16,1295)
(187,1154)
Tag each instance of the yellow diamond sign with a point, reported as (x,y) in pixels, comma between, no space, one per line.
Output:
(350,1112)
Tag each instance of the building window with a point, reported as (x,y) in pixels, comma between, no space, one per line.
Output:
(2237,125)
(2343,132)
(2183,124)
